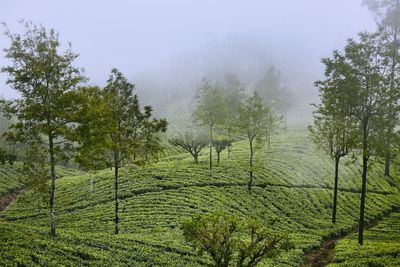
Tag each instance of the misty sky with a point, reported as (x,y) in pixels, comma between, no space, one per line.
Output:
(138,35)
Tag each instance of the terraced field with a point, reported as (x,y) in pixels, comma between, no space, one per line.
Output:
(382,246)
(293,182)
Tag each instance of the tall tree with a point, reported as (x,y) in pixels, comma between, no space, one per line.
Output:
(371,97)
(91,134)
(387,17)
(367,94)
(253,115)
(334,129)
(211,109)
(234,91)
(44,78)
(129,126)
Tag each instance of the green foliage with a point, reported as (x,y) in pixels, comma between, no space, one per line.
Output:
(91,134)
(211,108)
(6,157)
(131,130)
(35,170)
(253,117)
(45,80)
(359,103)
(335,126)
(232,239)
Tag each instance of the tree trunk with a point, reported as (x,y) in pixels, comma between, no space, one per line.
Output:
(116,168)
(91,183)
(38,201)
(392,85)
(335,190)
(364,183)
(251,166)
(195,157)
(285,122)
(211,139)
(230,146)
(52,186)
(387,162)
(218,157)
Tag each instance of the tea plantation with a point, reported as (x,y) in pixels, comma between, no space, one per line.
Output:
(382,246)
(293,183)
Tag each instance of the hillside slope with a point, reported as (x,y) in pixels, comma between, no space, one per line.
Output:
(382,246)
(293,182)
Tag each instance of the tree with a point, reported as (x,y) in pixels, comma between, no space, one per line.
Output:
(45,78)
(387,17)
(253,115)
(275,95)
(228,239)
(211,109)
(233,90)
(271,126)
(192,142)
(129,126)
(220,144)
(91,134)
(370,97)
(147,135)
(365,92)
(334,137)
(334,127)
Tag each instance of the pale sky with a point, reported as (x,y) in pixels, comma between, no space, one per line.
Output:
(137,35)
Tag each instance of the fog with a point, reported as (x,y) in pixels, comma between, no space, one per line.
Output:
(166,47)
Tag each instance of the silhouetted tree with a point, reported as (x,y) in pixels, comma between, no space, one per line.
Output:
(192,142)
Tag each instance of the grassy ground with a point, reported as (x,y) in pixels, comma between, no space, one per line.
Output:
(292,182)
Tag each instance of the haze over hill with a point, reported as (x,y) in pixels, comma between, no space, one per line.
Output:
(168,46)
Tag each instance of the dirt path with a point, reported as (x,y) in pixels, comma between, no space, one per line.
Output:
(7,199)
(325,253)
